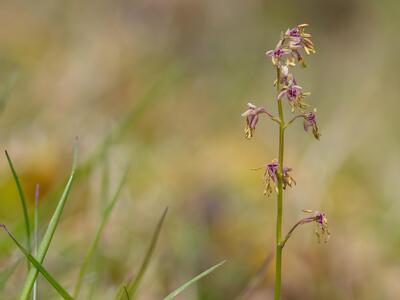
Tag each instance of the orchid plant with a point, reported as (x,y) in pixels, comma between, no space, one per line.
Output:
(286,56)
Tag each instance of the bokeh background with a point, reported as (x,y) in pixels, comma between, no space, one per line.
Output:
(161,85)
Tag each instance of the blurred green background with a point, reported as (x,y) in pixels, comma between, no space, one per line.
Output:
(161,85)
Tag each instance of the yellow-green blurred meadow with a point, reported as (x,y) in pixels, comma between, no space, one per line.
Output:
(161,85)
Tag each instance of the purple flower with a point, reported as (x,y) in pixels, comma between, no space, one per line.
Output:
(271,177)
(322,231)
(299,39)
(295,96)
(310,120)
(287,180)
(251,115)
(278,54)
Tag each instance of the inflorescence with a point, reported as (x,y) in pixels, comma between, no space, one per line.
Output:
(287,55)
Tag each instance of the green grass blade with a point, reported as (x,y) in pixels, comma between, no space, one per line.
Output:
(24,205)
(99,232)
(135,281)
(48,236)
(6,273)
(193,280)
(63,293)
(36,235)
(126,293)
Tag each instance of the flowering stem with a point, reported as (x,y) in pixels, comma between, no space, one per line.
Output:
(278,260)
(292,120)
(289,234)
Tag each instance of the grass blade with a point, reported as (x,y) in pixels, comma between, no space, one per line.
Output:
(6,273)
(63,293)
(36,235)
(48,236)
(24,205)
(126,293)
(135,281)
(103,222)
(193,280)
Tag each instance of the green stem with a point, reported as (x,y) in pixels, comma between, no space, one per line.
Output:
(278,260)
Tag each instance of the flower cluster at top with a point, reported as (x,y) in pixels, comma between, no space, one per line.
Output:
(287,53)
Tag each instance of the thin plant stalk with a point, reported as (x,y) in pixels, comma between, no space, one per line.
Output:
(192,281)
(24,206)
(135,281)
(278,259)
(36,236)
(38,266)
(99,232)
(48,236)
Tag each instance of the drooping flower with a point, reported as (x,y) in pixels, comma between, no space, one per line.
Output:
(251,115)
(271,177)
(295,96)
(277,55)
(299,39)
(287,180)
(310,120)
(322,231)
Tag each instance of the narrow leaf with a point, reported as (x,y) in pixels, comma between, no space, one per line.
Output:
(6,273)
(126,293)
(100,229)
(193,280)
(36,235)
(135,281)
(24,204)
(48,236)
(63,293)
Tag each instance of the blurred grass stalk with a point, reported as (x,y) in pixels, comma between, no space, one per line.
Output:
(134,283)
(48,236)
(36,235)
(63,293)
(24,206)
(104,219)
(193,280)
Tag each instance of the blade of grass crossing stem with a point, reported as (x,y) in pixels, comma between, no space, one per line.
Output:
(24,204)
(126,293)
(36,235)
(103,222)
(63,293)
(51,228)
(134,283)
(193,280)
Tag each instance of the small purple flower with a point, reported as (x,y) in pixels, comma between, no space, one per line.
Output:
(277,54)
(299,39)
(322,231)
(310,120)
(295,95)
(287,180)
(271,177)
(251,115)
